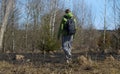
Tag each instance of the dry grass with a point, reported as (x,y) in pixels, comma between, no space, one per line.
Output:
(34,64)
(81,65)
(84,61)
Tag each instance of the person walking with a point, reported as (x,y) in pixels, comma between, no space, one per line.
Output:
(66,31)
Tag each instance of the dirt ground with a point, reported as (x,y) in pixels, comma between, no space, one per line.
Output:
(38,63)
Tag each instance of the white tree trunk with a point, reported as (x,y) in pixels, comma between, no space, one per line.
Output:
(104,24)
(53,16)
(53,25)
(4,22)
(13,23)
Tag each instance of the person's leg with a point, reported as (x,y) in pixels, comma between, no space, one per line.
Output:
(66,46)
(70,40)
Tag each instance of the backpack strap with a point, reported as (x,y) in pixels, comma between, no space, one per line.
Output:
(65,16)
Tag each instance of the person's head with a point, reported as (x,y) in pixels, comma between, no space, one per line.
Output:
(67,11)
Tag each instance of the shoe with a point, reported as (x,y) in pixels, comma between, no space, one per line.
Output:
(69,61)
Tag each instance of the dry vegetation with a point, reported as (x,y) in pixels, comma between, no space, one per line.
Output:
(24,44)
(55,64)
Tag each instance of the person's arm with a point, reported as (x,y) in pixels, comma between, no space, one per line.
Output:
(60,29)
(59,32)
(64,20)
(75,24)
(75,27)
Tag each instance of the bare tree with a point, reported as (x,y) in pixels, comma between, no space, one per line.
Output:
(4,22)
(86,36)
(34,11)
(54,5)
(104,23)
(10,36)
(117,22)
(0,12)
(115,5)
(28,15)
(13,24)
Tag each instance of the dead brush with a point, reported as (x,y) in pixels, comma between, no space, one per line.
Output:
(118,52)
(85,62)
(109,58)
(82,60)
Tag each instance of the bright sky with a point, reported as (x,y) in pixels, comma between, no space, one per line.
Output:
(97,7)
(98,12)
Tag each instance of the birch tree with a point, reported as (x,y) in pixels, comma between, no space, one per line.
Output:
(53,9)
(104,23)
(0,12)
(13,24)
(4,22)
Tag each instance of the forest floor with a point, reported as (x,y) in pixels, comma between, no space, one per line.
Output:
(37,63)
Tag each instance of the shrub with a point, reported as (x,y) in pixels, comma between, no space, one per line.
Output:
(107,44)
(47,42)
(116,39)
